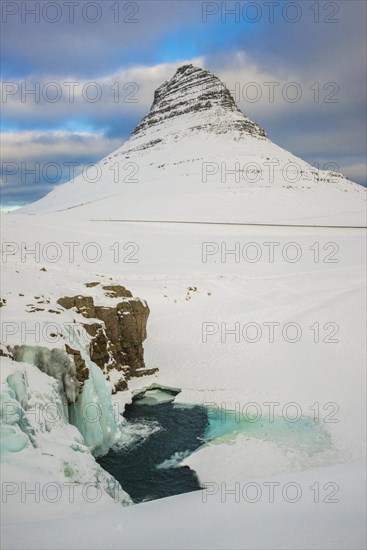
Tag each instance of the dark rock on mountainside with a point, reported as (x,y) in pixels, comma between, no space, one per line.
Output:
(193,91)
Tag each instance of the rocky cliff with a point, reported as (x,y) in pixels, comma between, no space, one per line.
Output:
(116,334)
(111,335)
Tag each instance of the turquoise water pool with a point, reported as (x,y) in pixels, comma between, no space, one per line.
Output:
(161,433)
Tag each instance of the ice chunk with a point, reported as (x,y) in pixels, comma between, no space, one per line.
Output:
(18,384)
(174,461)
(12,438)
(155,397)
(10,411)
(12,422)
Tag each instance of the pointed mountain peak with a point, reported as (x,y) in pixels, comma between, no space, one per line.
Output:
(187,68)
(194,134)
(196,98)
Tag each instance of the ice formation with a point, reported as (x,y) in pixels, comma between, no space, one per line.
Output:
(91,410)
(15,430)
(93,413)
(34,425)
(13,439)
(55,362)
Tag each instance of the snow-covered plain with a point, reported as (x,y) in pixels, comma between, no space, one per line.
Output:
(229,374)
(197,290)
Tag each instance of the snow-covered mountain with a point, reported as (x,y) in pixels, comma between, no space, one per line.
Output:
(61,269)
(196,156)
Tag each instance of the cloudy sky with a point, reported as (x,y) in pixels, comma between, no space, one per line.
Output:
(77,76)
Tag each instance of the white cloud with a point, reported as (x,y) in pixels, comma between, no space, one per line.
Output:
(55,98)
(35,145)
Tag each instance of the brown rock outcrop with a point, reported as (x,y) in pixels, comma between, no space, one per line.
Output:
(117,341)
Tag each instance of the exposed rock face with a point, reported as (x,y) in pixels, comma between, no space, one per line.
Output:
(81,370)
(100,349)
(199,93)
(116,342)
(4,351)
(117,291)
(82,304)
(126,329)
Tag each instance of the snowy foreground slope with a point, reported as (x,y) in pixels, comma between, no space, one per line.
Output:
(188,522)
(196,290)
(230,373)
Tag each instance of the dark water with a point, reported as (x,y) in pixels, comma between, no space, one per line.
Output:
(165,429)
(158,436)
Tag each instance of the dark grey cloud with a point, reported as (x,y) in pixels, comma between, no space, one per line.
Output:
(124,33)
